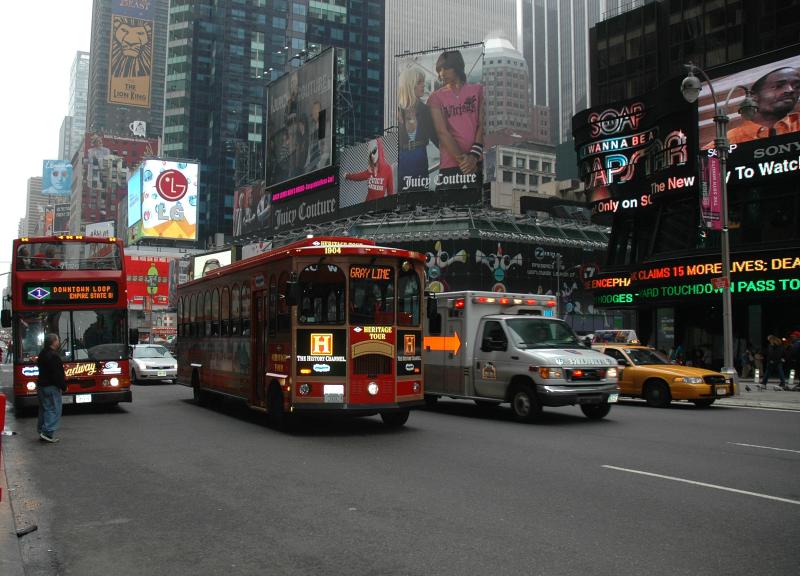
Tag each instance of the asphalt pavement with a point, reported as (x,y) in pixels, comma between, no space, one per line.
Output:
(10,554)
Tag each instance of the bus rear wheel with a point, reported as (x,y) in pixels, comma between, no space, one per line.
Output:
(395,419)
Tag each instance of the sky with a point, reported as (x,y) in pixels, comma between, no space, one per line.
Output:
(40,40)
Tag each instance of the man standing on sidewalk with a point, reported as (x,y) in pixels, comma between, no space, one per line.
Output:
(52,382)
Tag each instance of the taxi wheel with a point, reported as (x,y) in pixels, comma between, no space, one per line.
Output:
(704,403)
(657,394)
(525,404)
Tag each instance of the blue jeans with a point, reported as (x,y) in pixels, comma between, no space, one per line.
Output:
(49,409)
(769,369)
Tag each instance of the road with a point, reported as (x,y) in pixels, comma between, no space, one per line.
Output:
(162,486)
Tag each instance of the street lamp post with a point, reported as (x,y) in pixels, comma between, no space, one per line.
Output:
(690,87)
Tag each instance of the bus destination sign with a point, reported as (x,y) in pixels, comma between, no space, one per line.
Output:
(64,293)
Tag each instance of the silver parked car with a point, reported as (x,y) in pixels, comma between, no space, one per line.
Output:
(152,362)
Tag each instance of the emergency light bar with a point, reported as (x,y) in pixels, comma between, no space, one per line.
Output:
(504,300)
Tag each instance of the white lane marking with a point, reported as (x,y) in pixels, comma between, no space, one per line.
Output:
(764,447)
(705,485)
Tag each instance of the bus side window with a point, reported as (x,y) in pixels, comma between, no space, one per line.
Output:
(245,309)
(273,306)
(235,311)
(434,318)
(284,312)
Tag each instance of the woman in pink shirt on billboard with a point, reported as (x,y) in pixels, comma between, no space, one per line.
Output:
(457,112)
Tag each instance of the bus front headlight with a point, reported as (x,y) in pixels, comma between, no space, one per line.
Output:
(31,386)
(373,388)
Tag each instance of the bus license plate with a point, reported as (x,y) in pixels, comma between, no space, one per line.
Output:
(613,398)
(722,390)
(83,398)
(161,373)
(334,393)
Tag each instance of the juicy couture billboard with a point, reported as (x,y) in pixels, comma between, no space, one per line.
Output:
(632,151)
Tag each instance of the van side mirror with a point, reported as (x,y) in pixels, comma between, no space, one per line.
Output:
(5,318)
(292,293)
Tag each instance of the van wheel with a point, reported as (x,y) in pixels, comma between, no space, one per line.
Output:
(596,411)
(394,419)
(278,419)
(525,404)
(657,394)
(704,403)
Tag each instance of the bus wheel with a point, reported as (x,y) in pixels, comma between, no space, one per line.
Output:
(525,404)
(200,396)
(596,411)
(278,418)
(657,395)
(431,400)
(395,419)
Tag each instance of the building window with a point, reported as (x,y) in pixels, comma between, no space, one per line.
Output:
(521,163)
(507,176)
(520,178)
(547,167)
(534,164)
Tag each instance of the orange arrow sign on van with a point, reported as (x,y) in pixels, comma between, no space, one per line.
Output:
(452,343)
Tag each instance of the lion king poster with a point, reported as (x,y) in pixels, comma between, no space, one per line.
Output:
(131,56)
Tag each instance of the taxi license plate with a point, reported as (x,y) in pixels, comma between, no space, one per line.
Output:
(334,393)
(161,373)
(83,398)
(722,390)
(613,398)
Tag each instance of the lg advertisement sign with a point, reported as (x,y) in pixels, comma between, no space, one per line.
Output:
(768,145)
(166,203)
(632,151)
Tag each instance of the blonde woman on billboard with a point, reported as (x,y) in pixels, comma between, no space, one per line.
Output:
(416,129)
(457,109)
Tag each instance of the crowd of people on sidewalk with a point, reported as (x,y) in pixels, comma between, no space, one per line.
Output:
(777,358)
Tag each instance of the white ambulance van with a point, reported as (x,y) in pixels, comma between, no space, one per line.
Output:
(493,347)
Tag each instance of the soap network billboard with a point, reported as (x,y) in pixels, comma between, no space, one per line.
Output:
(148,280)
(166,206)
(632,151)
(768,145)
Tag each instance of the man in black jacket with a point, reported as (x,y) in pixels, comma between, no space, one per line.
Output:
(52,382)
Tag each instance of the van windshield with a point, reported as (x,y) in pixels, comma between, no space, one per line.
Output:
(532,332)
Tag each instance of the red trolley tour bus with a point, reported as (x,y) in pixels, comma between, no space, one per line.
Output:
(74,287)
(324,324)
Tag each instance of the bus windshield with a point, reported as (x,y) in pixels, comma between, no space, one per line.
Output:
(68,256)
(371,295)
(84,334)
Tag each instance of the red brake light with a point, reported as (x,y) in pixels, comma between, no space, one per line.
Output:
(551,303)
(504,300)
(577,373)
(458,304)
(530,302)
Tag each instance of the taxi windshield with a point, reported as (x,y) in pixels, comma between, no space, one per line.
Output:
(645,356)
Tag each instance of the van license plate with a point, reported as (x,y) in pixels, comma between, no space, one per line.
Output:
(334,393)
(722,390)
(161,373)
(83,398)
(613,398)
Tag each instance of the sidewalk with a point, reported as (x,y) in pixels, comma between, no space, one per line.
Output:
(770,398)
(10,554)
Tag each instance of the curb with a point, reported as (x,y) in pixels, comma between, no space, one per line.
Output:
(10,551)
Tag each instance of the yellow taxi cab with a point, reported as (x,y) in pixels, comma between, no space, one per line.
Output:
(646,373)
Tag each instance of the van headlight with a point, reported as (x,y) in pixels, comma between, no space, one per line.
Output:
(551,373)
(611,373)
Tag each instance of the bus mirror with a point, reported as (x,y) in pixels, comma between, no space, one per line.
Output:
(5,318)
(292,293)
(431,310)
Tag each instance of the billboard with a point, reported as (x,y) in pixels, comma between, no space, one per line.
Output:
(56,177)
(148,280)
(135,197)
(299,120)
(766,145)
(168,200)
(100,229)
(252,209)
(205,263)
(631,151)
(368,171)
(130,62)
(441,93)
(61,219)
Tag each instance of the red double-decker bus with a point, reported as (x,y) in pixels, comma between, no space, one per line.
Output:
(324,324)
(75,287)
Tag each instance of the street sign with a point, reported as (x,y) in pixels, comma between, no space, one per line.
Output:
(721,282)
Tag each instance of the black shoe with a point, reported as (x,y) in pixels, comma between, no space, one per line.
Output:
(48,437)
